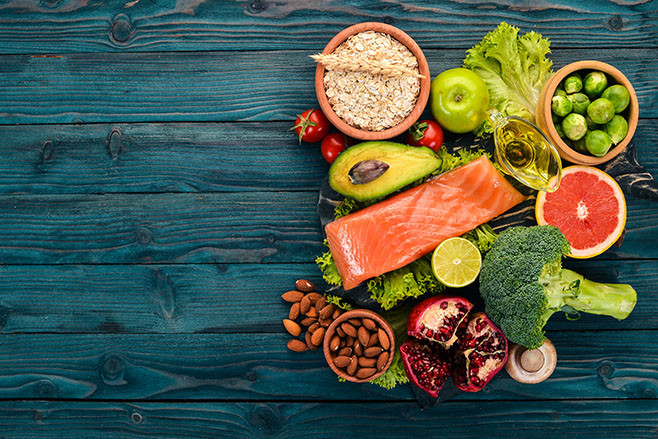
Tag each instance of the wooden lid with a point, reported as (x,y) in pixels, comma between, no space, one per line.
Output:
(531,366)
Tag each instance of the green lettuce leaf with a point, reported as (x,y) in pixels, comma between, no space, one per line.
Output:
(514,68)
(328,267)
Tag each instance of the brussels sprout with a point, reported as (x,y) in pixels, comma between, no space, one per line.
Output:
(601,111)
(618,95)
(617,129)
(560,92)
(558,128)
(573,83)
(574,126)
(561,105)
(579,145)
(594,84)
(579,102)
(591,125)
(598,143)
(555,118)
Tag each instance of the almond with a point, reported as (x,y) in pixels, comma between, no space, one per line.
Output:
(304,285)
(382,360)
(355,322)
(383,339)
(369,324)
(325,323)
(334,344)
(374,340)
(349,329)
(313,327)
(321,303)
(304,305)
(366,372)
(345,351)
(292,296)
(308,321)
(312,312)
(327,311)
(351,369)
(309,343)
(358,348)
(364,335)
(349,341)
(342,361)
(372,352)
(296,345)
(336,313)
(294,311)
(317,336)
(367,362)
(340,332)
(314,297)
(292,327)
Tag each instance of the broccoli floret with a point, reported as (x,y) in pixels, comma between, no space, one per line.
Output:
(523,284)
(482,237)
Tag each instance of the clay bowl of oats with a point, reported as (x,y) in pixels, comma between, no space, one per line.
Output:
(372,81)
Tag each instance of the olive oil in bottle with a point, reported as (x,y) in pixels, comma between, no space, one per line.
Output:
(525,153)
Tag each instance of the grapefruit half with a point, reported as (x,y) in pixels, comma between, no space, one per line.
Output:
(588,207)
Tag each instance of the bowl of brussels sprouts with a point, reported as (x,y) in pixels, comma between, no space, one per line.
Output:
(589,110)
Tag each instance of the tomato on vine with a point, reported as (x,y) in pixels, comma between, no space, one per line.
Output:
(311,126)
(425,133)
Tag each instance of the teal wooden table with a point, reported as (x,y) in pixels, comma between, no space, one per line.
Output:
(154,205)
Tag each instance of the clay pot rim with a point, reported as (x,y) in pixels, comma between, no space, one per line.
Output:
(544,107)
(423,96)
(357,313)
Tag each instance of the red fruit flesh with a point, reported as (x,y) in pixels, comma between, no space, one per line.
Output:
(425,365)
(440,319)
(481,353)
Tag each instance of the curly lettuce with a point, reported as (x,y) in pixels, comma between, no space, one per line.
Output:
(514,68)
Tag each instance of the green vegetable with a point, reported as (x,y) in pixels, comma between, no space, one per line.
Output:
(594,84)
(579,145)
(482,236)
(395,374)
(573,83)
(560,131)
(580,102)
(523,284)
(618,95)
(574,126)
(561,105)
(617,129)
(339,302)
(514,68)
(590,124)
(598,143)
(559,92)
(328,267)
(601,111)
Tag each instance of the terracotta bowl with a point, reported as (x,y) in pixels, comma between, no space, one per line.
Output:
(424,83)
(331,331)
(543,112)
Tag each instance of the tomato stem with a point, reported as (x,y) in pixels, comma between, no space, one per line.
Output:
(304,123)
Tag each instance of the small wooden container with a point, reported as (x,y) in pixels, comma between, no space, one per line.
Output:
(424,82)
(357,313)
(545,122)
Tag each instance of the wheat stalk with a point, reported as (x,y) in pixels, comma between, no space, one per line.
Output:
(355,63)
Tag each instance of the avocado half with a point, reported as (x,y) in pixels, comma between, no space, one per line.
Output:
(375,169)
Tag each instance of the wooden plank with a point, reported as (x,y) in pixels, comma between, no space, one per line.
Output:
(118,25)
(178,157)
(197,157)
(243,366)
(220,298)
(213,86)
(496,420)
(198,228)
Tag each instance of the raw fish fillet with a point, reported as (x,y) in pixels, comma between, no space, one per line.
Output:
(403,228)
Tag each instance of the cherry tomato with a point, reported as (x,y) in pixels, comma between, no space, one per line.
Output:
(311,126)
(426,133)
(334,144)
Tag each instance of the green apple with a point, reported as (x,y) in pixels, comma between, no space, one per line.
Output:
(459,100)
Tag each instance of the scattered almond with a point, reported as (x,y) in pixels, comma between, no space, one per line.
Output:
(294,311)
(297,345)
(314,297)
(317,336)
(308,321)
(312,312)
(313,327)
(292,296)
(292,327)
(321,303)
(304,304)
(327,311)
(304,285)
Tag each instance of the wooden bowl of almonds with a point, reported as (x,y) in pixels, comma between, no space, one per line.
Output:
(359,345)
(372,81)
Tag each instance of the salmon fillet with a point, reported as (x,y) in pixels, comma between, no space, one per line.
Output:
(397,231)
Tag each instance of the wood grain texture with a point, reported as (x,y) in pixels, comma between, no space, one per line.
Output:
(591,365)
(220,298)
(178,157)
(533,420)
(201,157)
(214,86)
(120,25)
(199,228)
(146,228)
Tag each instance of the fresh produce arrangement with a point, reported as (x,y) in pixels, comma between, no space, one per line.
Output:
(588,112)
(412,227)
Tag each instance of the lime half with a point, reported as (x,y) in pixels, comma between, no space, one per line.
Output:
(456,262)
